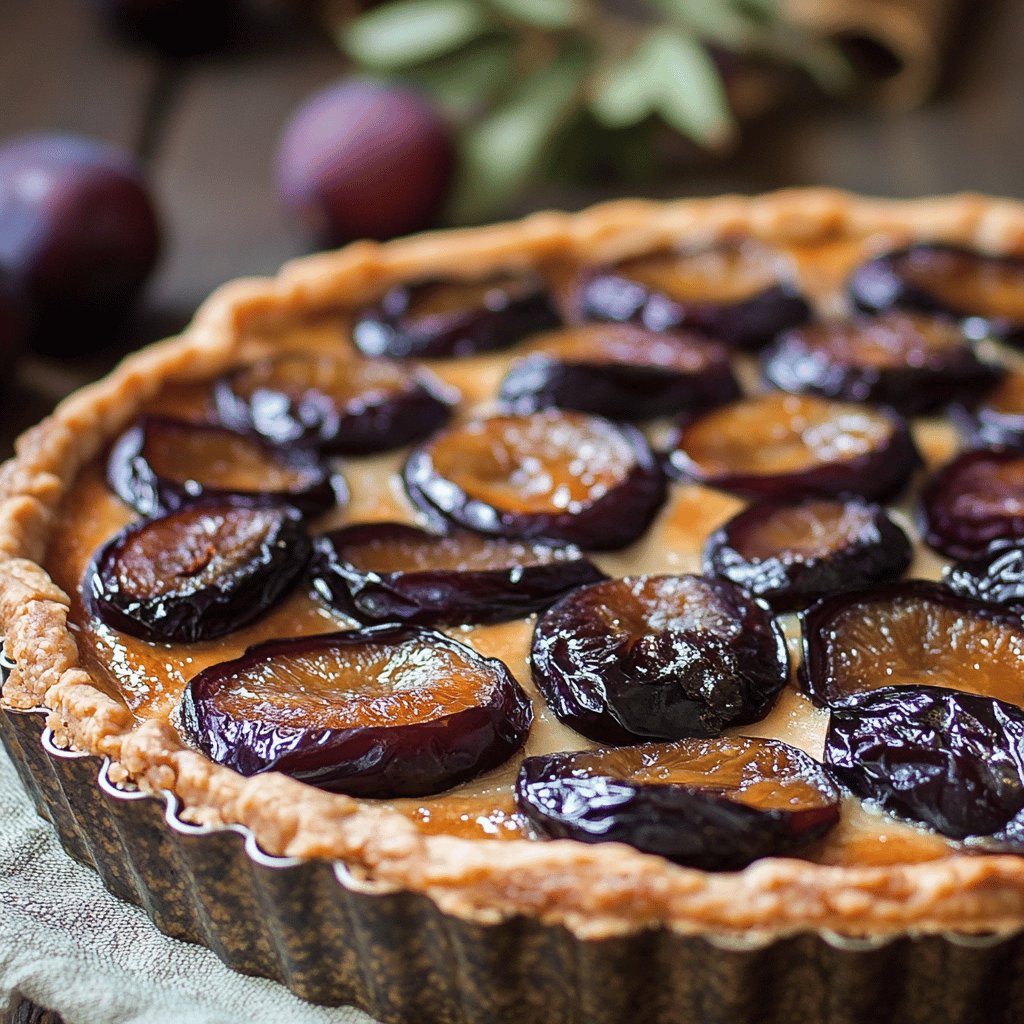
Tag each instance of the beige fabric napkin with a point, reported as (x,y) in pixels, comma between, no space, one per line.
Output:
(69,945)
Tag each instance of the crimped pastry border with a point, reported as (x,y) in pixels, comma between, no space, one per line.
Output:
(594,890)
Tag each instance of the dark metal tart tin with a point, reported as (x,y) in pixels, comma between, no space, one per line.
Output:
(331,939)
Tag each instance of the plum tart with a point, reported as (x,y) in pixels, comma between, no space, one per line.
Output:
(646,575)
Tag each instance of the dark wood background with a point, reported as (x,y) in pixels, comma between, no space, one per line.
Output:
(208,128)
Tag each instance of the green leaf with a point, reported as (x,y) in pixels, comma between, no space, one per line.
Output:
(396,35)
(626,92)
(722,21)
(471,78)
(542,13)
(504,151)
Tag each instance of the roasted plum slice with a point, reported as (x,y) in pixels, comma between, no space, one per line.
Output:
(620,371)
(388,711)
(913,363)
(449,319)
(658,657)
(714,804)
(973,500)
(197,573)
(996,576)
(161,464)
(914,633)
(998,421)
(338,406)
(738,294)
(781,445)
(986,292)
(954,761)
(792,552)
(393,572)
(556,476)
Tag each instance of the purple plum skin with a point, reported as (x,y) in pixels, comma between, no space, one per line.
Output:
(387,329)
(690,826)
(882,553)
(951,760)
(214,610)
(748,324)
(400,760)
(435,597)
(79,234)
(669,684)
(618,391)
(134,481)
(362,159)
(997,576)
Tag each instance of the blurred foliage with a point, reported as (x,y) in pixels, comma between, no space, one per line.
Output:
(589,82)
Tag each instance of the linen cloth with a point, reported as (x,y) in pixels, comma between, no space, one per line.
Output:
(70,946)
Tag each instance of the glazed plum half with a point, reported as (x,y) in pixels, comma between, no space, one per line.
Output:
(715,804)
(340,406)
(986,292)
(556,476)
(997,576)
(620,371)
(449,319)
(998,421)
(388,711)
(740,295)
(658,657)
(780,445)
(393,572)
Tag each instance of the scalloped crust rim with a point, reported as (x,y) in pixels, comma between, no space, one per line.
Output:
(596,891)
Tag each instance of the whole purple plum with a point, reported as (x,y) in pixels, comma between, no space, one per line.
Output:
(365,160)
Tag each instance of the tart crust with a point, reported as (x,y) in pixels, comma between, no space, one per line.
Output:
(596,891)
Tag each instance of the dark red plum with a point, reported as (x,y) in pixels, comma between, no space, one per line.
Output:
(986,292)
(780,445)
(338,406)
(998,421)
(954,761)
(556,476)
(973,500)
(386,712)
(714,804)
(393,572)
(912,363)
(198,573)
(620,371)
(739,295)
(996,576)
(177,28)
(658,657)
(365,159)
(910,634)
(79,235)
(449,319)
(792,552)
(161,464)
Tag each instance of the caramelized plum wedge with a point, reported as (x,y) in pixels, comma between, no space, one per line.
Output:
(161,464)
(556,476)
(973,500)
(620,371)
(780,445)
(951,760)
(388,711)
(996,576)
(912,363)
(910,634)
(197,573)
(392,572)
(714,804)
(658,657)
(792,552)
(736,294)
(987,292)
(998,421)
(338,406)
(449,319)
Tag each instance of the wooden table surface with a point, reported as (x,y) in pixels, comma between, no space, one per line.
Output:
(208,130)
